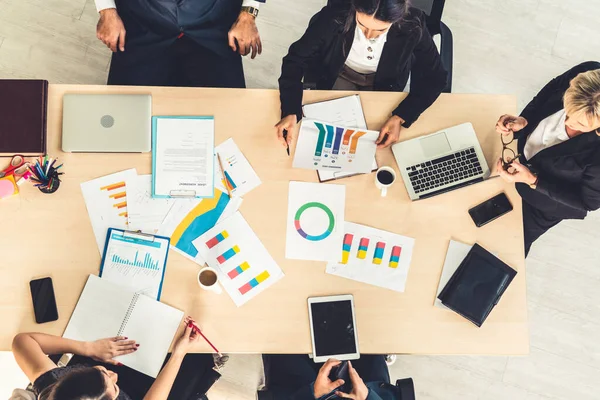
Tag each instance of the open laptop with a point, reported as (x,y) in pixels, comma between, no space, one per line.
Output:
(107,123)
(442,161)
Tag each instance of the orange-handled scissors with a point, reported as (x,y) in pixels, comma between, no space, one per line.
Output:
(17,166)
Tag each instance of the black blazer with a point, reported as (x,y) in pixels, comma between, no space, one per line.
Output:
(569,172)
(322,51)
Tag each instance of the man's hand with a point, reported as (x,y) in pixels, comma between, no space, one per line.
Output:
(245,32)
(359,389)
(104,350)
(323,384)
(288,123)
(110,29)
(516,172)
(390,132)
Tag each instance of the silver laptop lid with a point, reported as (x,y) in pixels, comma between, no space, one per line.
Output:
(107,123)
(414,154)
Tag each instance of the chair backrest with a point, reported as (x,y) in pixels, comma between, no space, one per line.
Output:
(434,10)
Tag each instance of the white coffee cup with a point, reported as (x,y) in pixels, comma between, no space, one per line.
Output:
(208,279)
(384,178)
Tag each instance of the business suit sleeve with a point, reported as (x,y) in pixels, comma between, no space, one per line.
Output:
(428,79)
(297,60)
(584,196)
(560,84)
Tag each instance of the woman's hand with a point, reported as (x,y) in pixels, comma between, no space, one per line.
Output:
(104,350)
(508,124)
(359,389)
(390,132)
(323,385)
(288,123)
(516,172)
(187,339)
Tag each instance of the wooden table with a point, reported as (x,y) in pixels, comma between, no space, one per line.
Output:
(50,235)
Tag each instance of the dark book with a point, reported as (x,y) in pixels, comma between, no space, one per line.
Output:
(477,285)
(23,111)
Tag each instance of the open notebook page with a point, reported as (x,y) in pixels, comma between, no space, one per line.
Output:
(153,325)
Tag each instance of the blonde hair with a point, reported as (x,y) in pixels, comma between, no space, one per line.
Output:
(582,98)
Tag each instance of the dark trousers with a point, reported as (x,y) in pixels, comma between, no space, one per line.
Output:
(535,224)
(290,372)
(195,377)
(184,63)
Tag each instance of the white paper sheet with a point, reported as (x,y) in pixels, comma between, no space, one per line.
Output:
(187,220)
(366,267)
(456,253)
(239,173)
(244,265)
(183,157)
(345,111)
(145,213)
(315,221)
(323,146)
(106,202)
(136,262)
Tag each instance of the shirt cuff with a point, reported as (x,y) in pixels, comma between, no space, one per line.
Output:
(251,3)
(104,4)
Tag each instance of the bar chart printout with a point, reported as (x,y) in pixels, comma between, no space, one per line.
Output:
(136,261)
(328,147)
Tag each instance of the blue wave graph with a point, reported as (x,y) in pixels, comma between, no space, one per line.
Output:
(148,262)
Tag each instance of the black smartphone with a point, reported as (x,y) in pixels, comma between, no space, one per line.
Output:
(490,209)
(44,302)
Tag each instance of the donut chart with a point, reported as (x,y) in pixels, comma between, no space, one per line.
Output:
(314,238)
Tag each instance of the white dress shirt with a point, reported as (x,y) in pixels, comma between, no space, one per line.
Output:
(104,4)
(365,53)
(551,131)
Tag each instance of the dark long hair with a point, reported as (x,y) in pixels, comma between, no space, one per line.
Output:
(393,11)
(85,383)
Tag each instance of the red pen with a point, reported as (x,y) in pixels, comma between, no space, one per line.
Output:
(195,328)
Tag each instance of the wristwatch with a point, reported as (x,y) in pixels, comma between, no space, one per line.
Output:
(534,184)
(251,10)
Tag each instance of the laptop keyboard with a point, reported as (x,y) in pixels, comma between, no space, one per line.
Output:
(444,170)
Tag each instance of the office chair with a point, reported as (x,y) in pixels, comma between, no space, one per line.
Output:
(434,10)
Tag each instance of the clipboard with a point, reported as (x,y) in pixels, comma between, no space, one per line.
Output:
(135,260)
(179,187)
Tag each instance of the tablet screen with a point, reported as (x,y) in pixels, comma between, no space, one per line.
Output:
(333,328)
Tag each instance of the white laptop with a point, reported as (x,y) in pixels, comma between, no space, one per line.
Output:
(442,161)
(107,123)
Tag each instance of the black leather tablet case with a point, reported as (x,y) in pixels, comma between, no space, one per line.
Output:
(477,285)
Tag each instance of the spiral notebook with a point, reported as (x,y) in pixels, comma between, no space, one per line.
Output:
(106,309)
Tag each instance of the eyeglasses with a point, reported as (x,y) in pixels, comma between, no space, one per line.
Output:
(508,154)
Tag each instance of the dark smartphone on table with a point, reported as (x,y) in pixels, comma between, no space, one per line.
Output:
(44,302)
(490,210)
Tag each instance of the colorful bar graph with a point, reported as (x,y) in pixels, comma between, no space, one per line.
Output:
(120,205)
(217,239)
(147,263)
(228,254)
(329,139)
(113,186)
(228,181)
(254,282)
(320,140)
(348,237)
(238,270)
(395,256)
(362,248)
(339,132)
(354,141)
(347,135)
(378,254)
(123,214)
(118,195)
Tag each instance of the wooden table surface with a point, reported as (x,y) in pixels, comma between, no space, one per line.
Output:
(51,235)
